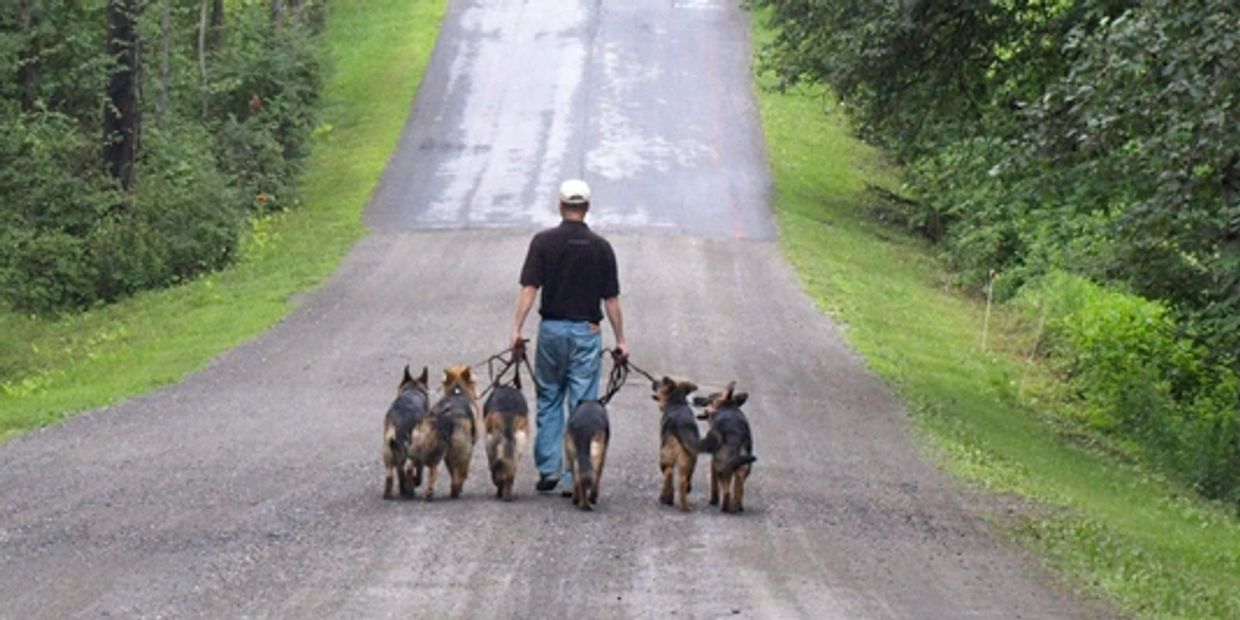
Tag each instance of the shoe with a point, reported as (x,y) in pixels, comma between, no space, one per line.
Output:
(546,483)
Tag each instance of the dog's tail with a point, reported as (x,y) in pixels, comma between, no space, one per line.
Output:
(690,438)
(710,443)
(741,461)
(503,466)
(585,468)
(389,436)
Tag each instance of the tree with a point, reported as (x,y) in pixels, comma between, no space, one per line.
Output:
(122,114)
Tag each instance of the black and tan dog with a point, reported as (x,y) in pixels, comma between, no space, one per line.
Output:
(409,408)
(506,419)
(585,447)
(730,442)
(679,436)
(449,432)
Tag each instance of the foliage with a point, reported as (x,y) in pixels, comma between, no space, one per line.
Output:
(264,96)
(225,132)
(54,366)
(1138,379)
(1095,136)
(1111,526)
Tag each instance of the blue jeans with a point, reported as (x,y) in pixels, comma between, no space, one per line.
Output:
(566,368)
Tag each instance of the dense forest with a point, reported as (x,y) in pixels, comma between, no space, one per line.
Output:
(1081,157)
(138,136)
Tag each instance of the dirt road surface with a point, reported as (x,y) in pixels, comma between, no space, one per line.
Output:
(252,488)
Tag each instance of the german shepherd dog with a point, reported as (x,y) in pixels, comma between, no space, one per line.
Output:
(678,433)
(506,419)
(406,412)
(449,432)
(730,443)
(585,447)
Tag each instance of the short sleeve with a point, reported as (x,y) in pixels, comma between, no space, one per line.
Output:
(611,279)
(532,270)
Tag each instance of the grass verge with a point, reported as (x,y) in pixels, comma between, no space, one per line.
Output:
(1109,527)
(51,368)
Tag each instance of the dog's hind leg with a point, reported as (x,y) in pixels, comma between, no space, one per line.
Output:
(404,478)
(686,463)
(667,463)
(598,456)
(387,482)
(714,486)
(432,472)
(725,482)
(739,493)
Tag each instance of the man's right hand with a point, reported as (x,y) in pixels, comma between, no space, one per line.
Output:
(621,352)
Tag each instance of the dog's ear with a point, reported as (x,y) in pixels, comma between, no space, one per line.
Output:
(689,387)
(407,378)
(739,398)
(422,379)
(668,382)
(727,392)
(701,401)
(465,375)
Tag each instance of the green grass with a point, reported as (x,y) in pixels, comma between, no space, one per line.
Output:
(51,368)
(1110,528)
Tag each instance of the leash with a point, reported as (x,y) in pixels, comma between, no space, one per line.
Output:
(619,374)
(515,359)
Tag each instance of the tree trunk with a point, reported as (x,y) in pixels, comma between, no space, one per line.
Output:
(28,73)
(165,59)
(122,115)
(202,58)
(216,36)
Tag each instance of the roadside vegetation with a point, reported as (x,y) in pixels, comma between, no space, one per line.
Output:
(277,153)
(1111,409)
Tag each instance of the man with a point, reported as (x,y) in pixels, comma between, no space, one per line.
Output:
(576,270)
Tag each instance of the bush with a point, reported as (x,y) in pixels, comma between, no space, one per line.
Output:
(209,154)
(1092,136)
(54,192)
(264,95)
(71,240)
(185,218)
(1141,381)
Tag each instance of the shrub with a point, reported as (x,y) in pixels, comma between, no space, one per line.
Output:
(1140,380)
(185,218)
(53,193)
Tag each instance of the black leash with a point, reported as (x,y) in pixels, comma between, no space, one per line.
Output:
(515,358)
(511,359)
(619,374)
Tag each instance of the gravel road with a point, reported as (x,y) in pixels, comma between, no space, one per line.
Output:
(252,488)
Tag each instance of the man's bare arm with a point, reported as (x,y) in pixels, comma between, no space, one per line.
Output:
(525,301)
(616,317)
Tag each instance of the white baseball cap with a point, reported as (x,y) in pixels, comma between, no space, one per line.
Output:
(574,192)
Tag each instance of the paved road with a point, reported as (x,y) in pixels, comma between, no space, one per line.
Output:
(252,488)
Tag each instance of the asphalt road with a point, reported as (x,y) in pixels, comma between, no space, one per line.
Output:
(252,488)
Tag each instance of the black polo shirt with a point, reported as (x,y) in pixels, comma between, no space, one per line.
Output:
(575,268)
